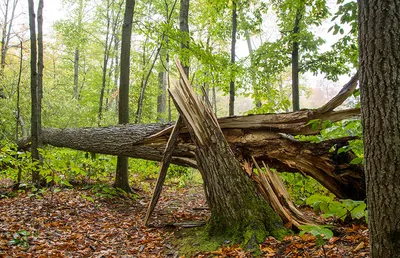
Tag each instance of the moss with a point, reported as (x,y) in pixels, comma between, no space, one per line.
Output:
(193,240)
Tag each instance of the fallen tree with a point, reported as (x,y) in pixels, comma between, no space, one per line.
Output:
(266,137)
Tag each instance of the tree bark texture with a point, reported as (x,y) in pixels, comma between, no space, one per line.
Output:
(237,210)
(162,97)
(295,65)
(265,137)
(233,53)
(148,141)
(185,38)
(121,177)
(379,42)
(76,73)
(35,111)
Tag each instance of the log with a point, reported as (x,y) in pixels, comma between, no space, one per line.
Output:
(265,137)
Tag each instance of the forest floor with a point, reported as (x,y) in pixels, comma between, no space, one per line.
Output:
(81,223)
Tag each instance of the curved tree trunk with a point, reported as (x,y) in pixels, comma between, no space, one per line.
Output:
(380,97)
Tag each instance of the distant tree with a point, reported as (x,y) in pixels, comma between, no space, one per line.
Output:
(184,28)
(233,55)
(121,178)
(6,35)
(379,41)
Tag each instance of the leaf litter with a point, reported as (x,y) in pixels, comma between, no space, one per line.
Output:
(76,223)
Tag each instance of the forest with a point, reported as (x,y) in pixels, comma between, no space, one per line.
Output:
(179,128)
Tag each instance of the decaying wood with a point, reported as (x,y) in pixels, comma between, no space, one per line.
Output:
(165,161)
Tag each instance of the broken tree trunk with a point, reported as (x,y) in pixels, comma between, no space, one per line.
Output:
(265,137)
(278,151)
(165,161)
(237,210)
(271,187)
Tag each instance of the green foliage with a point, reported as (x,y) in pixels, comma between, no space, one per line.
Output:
(322,232)
(301,187)
(21,238)
(338,209)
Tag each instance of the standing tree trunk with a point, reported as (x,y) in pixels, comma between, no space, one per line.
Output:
(233,53)
(5,37)
(106,56)
(162,97)
(76,73)
(295,65)
(35,95)
(237,211)
(184,28)
(121,177)
(380,97)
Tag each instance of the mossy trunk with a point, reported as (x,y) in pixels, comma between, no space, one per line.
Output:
(237,210)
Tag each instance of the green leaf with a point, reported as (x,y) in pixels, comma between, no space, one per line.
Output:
(359,211)
(316,230)
(357,160)
(23,233)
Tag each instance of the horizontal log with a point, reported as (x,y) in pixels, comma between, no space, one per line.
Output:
(277,150)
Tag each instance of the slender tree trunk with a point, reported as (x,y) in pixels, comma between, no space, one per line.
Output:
(18,116)
(122,176)
(184,28)
(76,73)
(5,38)
(233,53)
(161,99)
(40,64)
(106,56)
(145,81)
(295,66)
(380,97)
(35,95)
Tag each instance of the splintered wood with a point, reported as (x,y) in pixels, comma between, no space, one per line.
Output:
(273,190)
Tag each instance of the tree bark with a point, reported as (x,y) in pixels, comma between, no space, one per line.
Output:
(295,65)
(184,28)
(380,97)
(283,153)
(121,177)
(237,210)
(162,97)
(233,53)
(35,111)
(76,73)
